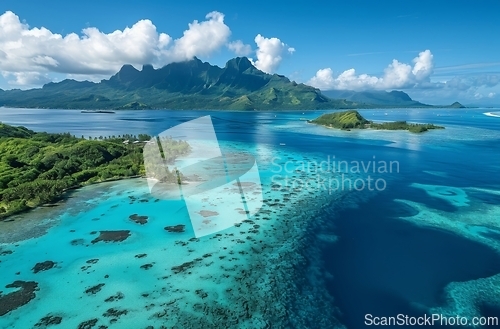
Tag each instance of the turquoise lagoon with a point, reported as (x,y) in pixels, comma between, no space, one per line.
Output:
(315,256)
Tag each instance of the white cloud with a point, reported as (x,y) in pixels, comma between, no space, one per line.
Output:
(26,78)
(396,75)
(239,48)
(27,53)
(270,53)
(323,79)
(424,66)
(416,78)
(202,39)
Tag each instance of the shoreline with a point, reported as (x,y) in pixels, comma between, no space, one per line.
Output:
(381,107)
(267,252)
(372,129)
(59,200)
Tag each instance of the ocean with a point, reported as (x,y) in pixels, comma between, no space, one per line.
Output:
(355,225)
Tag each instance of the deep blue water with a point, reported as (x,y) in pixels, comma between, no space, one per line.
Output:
(381,264)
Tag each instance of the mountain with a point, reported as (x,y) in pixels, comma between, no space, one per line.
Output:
(185,85)
(393,98)
(457,105)
(377,98)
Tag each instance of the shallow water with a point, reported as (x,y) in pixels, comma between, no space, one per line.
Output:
(316,252)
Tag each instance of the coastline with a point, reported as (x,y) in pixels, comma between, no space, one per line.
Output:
(372,129)
(59,200)
(272,257)
(305,110)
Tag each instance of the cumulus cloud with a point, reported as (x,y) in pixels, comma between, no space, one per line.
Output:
(201,39)
(270,53)
(423,66)
(26,78)
(239,48)
(396,75)
(323,79)
(27,54)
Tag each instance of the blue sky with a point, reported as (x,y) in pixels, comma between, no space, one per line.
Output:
(316,42)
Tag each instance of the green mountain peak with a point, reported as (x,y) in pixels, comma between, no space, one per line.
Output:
(191,84)
(239,63)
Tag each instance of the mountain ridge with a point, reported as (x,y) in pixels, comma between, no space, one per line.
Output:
(390,99)
(192,84)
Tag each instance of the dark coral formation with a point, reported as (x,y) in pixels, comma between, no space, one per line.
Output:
(89,324)
(95,289)
(175,228)
(77,242)
(43,266)
(139,219)
(5,252)
(183,267)
(203,294)
(115,297)
(146,266)
(114,313)
(112,236)
(17,298)
(49,320)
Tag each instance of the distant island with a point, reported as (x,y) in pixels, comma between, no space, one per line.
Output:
(98,111)
(347,120)
(384,99)
(194,84)
(36,168)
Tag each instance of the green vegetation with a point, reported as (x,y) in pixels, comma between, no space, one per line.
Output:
(385,99)
(353,120)
(376,97)
(342,120)
(403,125)
(186,85)
(36,168)
(197,85)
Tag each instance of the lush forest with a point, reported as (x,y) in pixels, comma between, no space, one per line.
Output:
(403,125)
(342,120)
(37,167)
(353,120)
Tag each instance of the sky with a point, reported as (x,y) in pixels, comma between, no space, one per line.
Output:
(437,51)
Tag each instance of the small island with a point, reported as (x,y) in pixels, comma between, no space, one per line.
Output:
(347,120)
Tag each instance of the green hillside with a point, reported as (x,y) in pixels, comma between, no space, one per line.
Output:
(342,120)
(36,168)
(347,120)
(380,98)
(186,85)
